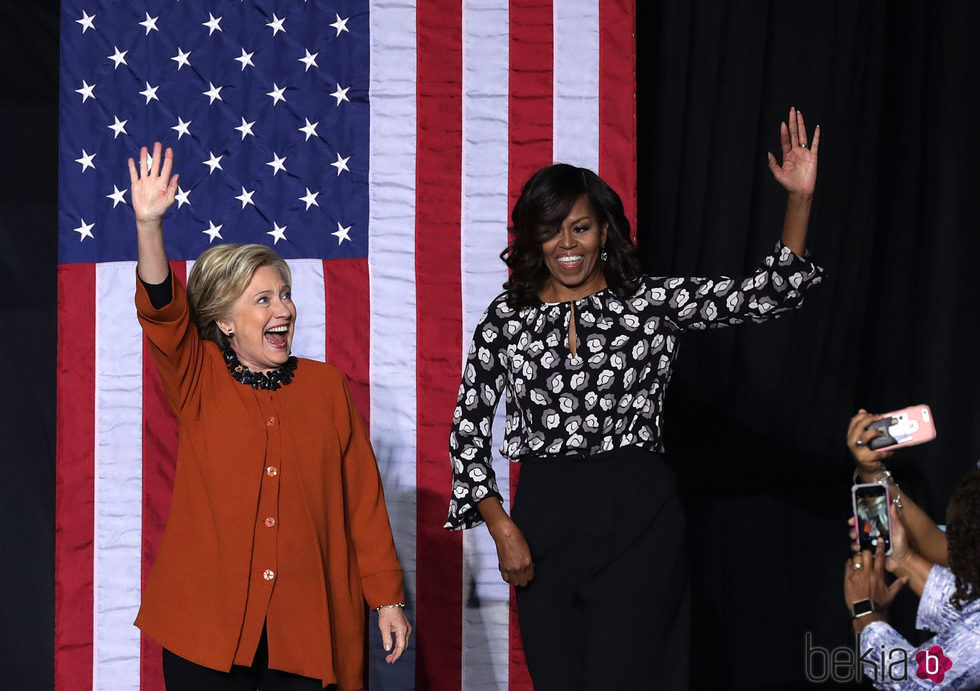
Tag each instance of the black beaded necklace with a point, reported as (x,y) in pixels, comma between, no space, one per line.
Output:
(269,381)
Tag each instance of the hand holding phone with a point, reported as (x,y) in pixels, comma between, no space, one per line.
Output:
(906,427)
(871,520)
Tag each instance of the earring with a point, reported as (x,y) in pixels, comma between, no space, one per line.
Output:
(230,333)
(604,255)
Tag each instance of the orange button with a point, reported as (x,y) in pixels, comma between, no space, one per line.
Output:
(270,522)
(272,471)
(270,422)
(268,574)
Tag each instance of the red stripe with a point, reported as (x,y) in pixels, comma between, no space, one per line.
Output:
(531,148)
(617,100)
(159,463)
(75,486)
(347,303)
(439,604)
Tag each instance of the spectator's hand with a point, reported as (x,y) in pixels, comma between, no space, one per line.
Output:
(152,189)
(394,625)
(868,462)
(901,550)
(798,171)
(864,578)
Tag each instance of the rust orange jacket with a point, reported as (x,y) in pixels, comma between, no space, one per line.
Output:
(277,515)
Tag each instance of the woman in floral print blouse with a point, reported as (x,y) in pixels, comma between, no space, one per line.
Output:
(583,344)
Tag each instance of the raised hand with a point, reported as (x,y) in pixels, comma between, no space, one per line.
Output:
(798,171)
(152,189)
(869,462)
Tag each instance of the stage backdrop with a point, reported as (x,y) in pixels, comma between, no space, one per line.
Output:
(378,147)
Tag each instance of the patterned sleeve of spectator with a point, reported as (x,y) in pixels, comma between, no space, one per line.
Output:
(936,612)
(470,441)
(777,286)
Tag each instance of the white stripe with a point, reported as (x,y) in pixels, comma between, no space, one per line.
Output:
(309,338)
(486,617)
(576,83)
(118,478)
(391,264)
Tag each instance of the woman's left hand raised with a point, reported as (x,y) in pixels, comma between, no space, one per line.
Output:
(394,625)
(798,171)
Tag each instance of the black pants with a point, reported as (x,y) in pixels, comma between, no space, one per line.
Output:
(609,606)
(183,675)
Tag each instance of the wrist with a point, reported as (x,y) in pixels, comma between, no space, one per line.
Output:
(797,197)
(861,623)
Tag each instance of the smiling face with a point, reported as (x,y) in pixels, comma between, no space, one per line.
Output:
(572,256)
(262,321)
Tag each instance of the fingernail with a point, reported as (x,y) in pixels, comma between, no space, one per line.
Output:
(387,648)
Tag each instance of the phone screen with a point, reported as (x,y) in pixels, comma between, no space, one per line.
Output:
(871,516)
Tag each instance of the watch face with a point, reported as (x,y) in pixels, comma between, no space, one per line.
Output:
(862,607)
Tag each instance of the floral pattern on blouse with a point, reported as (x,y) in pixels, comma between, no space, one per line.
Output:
(610,393)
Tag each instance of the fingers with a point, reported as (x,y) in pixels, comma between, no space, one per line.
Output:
(168,163)
(879,558)
(143,159)
(816,140)
(802,128)
(395,632)
(784,139)
(133,177)
(385,636)
(794,136)
(155,170)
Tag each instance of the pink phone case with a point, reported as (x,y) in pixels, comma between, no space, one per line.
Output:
(906,427)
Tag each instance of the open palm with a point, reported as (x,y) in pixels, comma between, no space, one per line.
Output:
(798,171)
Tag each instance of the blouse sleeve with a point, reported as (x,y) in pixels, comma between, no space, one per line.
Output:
(470,440)
(777,286)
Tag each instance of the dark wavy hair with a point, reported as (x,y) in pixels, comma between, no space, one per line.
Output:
(963,538)
(546,201)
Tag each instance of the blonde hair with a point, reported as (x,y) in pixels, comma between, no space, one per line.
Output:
(220,275)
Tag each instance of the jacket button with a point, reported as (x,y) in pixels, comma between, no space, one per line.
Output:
(272,471)
(270,422)
(270,522)
(268,574)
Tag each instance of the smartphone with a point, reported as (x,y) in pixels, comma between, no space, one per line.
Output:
(871,519)
(906,427)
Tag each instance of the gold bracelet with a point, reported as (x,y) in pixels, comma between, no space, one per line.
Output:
(397,604)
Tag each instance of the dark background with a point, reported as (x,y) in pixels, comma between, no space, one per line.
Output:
(755,417)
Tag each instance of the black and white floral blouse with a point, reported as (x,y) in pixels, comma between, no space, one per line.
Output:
(610,394)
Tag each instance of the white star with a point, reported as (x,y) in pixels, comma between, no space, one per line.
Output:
(342,233)
(86,160)
(182,197)
(213,24)
(341,164)
(276,93)
(310,198)
(84,230)
(181,127)
(86,91)
(246,128)
(277,233)
(150,93)
(213,162)
(181,58)
(340,25)
(309,130)
(246,59)
(212,231)
(150,23)
(246,197)
(277,163)
(276,24)
(118,127)
(86,21)
(117,196)
(213,92)
(309,60)
(341,94)
(118,57)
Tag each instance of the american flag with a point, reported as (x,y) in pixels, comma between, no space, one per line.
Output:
(376,145)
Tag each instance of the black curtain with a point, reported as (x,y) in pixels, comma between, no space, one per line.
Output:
(755,416)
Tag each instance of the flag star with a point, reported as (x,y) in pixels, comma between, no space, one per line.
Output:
(150,23)
(277,233)
(341,94)
(150,93)
(246,59)
(86,91)
(181,58)
(117,196)
(276,24)
(246,197)
(342,233)
(118,127)
(340,25)
(86,21)
(181,127)
(310,129)
(310,198)
(84,230)
(277,163)
(246,128)
(213,24)
(309,60)
(277,93)
(213,162)
(212,231)
(118,57)
(341,164)
(182,197)
(86,160)
(213,92)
